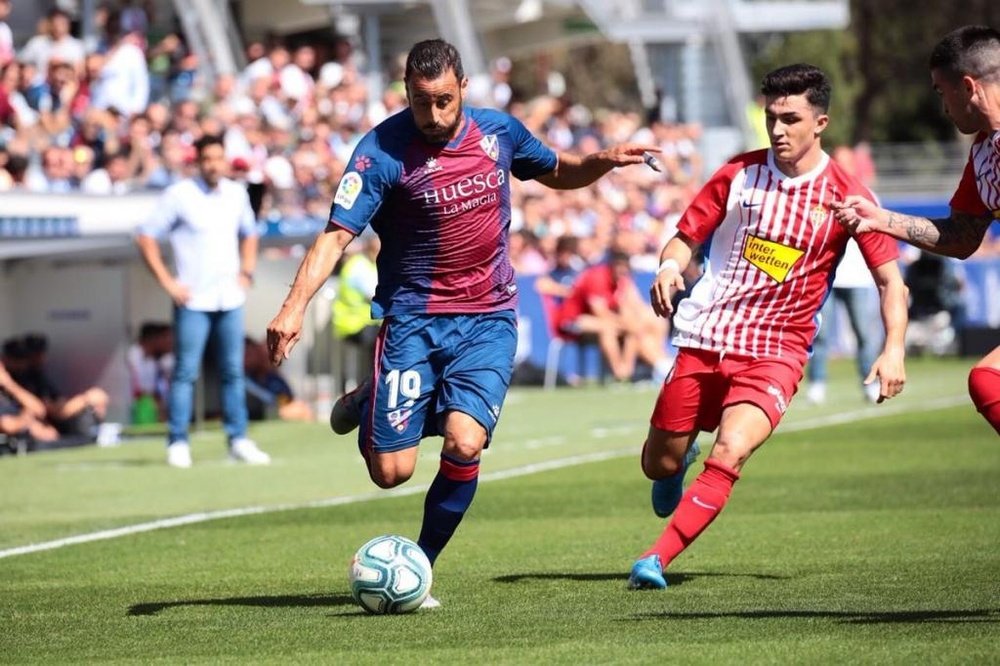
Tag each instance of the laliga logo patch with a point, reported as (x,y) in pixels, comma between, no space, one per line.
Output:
(400,418)
(490,146)
(348,190)
(818,215)
(775,259)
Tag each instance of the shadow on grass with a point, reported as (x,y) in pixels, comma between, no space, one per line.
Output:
(673,579)
(280,601)
(843,617)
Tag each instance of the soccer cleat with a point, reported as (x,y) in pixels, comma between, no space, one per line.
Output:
(245,450)
(647,574)
(430,603)
(346,413)
(179,454)
(667,492)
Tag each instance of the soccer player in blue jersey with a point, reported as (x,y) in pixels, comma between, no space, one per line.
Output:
(434,182)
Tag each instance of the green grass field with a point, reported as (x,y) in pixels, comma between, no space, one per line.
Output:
(859,534)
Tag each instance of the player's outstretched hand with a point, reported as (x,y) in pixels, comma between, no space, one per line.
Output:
(889,370)
(628,153)
(282,334)
(667,283)
(858,214)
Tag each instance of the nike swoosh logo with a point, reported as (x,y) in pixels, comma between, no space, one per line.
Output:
(704,505)
(751,204)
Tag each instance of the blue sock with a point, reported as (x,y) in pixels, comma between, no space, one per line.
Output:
(447,500)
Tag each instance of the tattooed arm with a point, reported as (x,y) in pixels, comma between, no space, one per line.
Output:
(956,236)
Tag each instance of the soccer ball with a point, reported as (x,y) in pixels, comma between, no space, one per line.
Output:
(390,574)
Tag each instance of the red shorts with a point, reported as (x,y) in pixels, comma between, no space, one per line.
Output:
(703,383)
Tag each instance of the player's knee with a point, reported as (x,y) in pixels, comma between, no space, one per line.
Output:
(466,447)
(984,387)
(464,438)
(731,451)
(386,478)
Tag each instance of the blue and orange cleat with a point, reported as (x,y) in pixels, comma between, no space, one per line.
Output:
(667,492)
(647,574)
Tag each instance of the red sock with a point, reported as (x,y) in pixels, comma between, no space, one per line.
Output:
(702,502)
(984,387)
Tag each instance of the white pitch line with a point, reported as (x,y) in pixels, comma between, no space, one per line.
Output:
(524,470)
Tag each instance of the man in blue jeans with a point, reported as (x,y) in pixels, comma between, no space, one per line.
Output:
(212,232)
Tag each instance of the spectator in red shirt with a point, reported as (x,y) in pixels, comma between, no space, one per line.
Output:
(605,302)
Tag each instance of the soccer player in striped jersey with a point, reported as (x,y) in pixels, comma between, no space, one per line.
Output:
(434,182)
(744,333)
(965,72)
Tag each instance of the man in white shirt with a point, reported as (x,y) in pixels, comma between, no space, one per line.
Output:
(213,235)
(56,45)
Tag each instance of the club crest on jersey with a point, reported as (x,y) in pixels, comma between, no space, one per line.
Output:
(432,166)
(490,146)
(400,418)
(818,215)
(348,190)
(775,259)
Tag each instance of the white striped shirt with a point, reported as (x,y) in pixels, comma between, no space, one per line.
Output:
(773,248)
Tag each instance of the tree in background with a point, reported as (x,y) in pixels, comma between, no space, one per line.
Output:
(878,66)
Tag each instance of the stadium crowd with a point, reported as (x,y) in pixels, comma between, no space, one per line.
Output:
(122,114)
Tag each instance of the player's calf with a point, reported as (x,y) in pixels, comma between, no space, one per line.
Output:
(984,388)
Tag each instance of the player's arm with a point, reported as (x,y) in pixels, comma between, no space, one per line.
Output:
(29,401)
(889,368)
(286,327)
(674,260)
(573,171)
(958,235)
(248,259)
(149,248)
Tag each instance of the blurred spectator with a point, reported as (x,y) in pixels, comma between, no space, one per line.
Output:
(854,287)
(124,80)
(14,108)
(352,316)
(21,413)
(150,362)
(6,36)
(54,102)
(53,43)
(605,302)
(937,312)
(267,391)
(558,283)
(55,176)
(76,415)
(112,178)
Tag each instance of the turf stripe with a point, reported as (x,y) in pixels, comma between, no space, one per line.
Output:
(524,470)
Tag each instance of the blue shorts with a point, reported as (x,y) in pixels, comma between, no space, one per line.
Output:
(426,365)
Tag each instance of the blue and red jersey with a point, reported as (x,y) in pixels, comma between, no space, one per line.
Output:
(442,211)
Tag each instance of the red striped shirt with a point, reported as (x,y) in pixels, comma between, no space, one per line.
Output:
(774,247)
(979,190)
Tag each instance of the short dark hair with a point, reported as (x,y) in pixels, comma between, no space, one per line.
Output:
(151,329)
(13,348)
(618,256)
(208,140)
(431,58)
(36,343)
(798,79)
(972,50)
